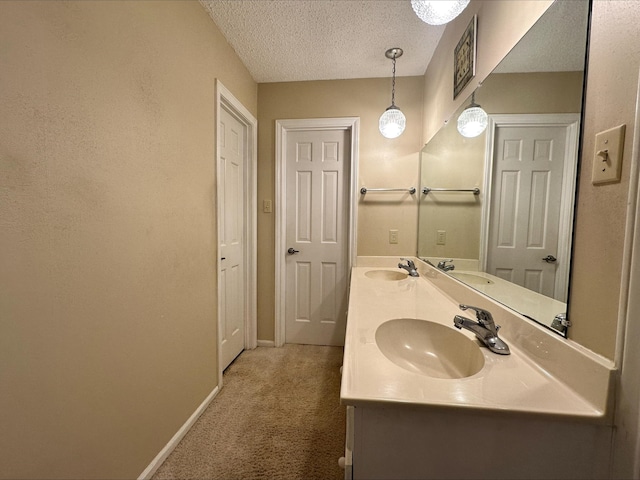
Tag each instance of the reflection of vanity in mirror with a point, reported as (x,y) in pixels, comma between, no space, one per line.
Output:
(512,239)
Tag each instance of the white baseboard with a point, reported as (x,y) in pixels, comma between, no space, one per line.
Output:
(173,443)
(266,343)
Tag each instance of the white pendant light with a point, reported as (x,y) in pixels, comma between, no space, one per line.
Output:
(438,12)
(392,121)
(473,120)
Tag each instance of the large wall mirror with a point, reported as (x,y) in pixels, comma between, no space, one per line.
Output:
(501,204)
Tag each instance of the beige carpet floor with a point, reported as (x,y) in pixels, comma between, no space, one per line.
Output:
(278,416)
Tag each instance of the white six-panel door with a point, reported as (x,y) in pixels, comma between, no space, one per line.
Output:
(231,144)
(317,174)
(525,210)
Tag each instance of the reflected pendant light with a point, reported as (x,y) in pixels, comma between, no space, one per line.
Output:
(473,120)
(438,12)
(392,121)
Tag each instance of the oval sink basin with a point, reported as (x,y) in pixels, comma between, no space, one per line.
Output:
(429,348)
(385,275)
(471,278)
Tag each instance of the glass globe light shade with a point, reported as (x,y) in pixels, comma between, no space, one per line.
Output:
(392,122)
(438,12)
(472,122)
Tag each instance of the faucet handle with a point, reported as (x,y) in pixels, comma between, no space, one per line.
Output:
(483,316)
(443,263)
(409,262)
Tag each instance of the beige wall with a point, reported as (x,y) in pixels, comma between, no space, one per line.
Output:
(614,61)
(107,238)
(541,92)
(451,161)
(383,163)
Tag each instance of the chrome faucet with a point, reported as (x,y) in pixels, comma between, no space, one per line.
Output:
(409,267)
(485,329)
(442,265)
(561,323)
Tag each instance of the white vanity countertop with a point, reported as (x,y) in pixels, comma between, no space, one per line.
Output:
(506,382)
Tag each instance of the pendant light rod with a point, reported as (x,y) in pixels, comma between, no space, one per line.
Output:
(392,121)
(392,54)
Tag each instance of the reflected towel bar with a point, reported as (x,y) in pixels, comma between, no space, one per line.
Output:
(426,190)
(411,190)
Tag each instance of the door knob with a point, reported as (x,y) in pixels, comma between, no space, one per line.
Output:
(550,259)
(292,251)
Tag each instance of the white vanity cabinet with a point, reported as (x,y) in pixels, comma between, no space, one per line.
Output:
(421,443)
(542,412)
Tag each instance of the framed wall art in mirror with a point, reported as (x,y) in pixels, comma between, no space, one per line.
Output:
(464,58)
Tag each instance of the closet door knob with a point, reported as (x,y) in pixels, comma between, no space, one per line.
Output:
(292,251)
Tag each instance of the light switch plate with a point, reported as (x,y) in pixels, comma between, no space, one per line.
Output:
(607,158)
(266,206)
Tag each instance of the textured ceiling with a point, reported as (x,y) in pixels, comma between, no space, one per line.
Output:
(296,40)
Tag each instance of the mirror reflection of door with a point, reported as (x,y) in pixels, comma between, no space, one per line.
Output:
(524,229)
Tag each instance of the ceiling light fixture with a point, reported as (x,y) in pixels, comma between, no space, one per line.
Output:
(473,120)
(438,12)
(392,121)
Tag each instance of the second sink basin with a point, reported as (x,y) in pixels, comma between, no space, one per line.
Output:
(429,348)
(471,278)
(385,275)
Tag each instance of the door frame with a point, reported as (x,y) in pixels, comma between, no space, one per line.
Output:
(350,124)
(225,99)
(570,170)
